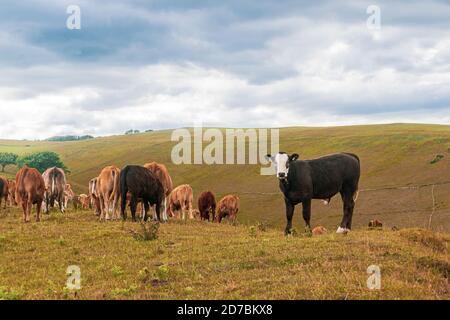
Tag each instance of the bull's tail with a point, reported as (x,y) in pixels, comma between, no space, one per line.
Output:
(115,185)
(53,183)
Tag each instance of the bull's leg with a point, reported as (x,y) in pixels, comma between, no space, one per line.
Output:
(349,203)
(289,214)
(123,208)
(306,206)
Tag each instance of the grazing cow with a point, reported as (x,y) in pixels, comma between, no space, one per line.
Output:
(319,230)
(207,205)
(94,196)
(162,174)
(12,192)
(196,214)
(69,195)
(109,192)
(322,178)
(375,224)
(30,189)
(141,183)
(181,199)
(55,182)
(3,191)
(84,201)
(228,206)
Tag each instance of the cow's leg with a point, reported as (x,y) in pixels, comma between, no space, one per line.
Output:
(158,209)
(24,210)
(133,205)
(306,206)
(146,206)
(38,211)
(29,207)
(164,209)
(102,207)
(123,208)
(289,214)
(61,204)
(349,203)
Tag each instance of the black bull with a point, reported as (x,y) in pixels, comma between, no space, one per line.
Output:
(142,184)
(321,178)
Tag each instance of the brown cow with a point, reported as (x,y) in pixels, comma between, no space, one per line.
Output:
(228,206)
(30,189)
(94,195)
(207,205)
(162,174)
(109,192)
(55,182)
(84,201)
(181,199)
(12,193)
(375,224)
(3,191)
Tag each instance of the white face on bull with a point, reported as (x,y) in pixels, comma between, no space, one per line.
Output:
(281,161)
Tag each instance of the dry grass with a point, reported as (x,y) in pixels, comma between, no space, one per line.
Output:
(200,260)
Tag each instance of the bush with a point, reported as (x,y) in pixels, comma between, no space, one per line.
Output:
(41,161)
(149,231)
(437,158)
(7,158)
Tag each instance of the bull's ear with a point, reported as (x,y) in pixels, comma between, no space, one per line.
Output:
(293,157)
(269,157)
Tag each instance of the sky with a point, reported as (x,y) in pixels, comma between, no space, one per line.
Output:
(239,63)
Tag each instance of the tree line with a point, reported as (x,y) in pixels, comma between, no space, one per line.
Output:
(39,160)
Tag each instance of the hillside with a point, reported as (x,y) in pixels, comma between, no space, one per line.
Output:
(201,260)
(392,156)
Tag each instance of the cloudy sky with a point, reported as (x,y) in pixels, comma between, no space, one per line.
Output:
(165,64)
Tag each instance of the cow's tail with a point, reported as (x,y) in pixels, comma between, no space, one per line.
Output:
(53,183)
(355,195)
(115,186)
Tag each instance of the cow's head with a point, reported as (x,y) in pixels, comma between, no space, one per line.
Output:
(281,161)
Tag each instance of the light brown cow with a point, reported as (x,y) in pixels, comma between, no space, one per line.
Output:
(94,195)
(180,199)
(109,192)
(84,201)
(30,189)
(69,195)
(228,206)
(12,193)
(319,230)
(162,174)
(3,191)
(55,182)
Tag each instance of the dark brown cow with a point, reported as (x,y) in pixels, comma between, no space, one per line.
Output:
(207,205)
(375,224)
(94,196)
(162,174)
(141,183)
(180,199)
(30,189)
(55,182)
(12,193)
(228,206)
(3,191)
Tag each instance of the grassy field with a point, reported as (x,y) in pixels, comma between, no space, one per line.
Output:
(201,260)
(195,260)
(391,156)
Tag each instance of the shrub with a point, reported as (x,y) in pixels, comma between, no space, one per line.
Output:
(437,158)
(149,231)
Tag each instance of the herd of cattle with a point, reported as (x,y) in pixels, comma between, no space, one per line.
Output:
(150,186)
(139,187)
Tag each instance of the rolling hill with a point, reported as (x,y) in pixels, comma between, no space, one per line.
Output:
(396,183)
